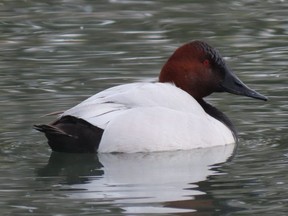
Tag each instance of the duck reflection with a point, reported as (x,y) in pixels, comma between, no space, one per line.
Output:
(166,182)
(74,168)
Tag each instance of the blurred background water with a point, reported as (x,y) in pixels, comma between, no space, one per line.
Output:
(54,54)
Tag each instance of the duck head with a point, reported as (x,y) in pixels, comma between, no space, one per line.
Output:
(199,69)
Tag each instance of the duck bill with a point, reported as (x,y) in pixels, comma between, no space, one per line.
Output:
(234,85)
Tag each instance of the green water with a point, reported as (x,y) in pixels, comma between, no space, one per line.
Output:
(54,54)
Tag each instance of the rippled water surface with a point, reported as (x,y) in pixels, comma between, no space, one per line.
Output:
(53,54)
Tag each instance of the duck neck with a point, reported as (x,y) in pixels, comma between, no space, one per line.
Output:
(220,116)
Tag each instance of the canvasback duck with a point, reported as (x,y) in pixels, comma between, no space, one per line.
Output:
(167,115)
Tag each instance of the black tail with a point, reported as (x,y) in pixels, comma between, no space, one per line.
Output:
(71,134)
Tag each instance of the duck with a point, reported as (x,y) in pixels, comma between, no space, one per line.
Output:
(169,114)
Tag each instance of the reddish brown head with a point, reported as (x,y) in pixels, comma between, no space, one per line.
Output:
(199,69)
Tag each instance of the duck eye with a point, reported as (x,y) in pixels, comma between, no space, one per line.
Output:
(206,62)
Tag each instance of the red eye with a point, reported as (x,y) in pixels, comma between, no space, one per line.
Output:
(206,62)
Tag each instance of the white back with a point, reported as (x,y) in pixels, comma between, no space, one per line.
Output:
(144,117)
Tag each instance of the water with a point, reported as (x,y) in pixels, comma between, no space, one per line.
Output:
(53,54)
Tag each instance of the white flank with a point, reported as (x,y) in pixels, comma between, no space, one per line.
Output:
(146,117)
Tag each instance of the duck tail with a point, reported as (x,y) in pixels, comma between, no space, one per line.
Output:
(72,135)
